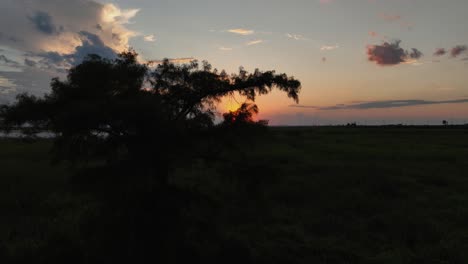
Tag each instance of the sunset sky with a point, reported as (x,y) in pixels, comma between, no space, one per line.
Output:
(365,61)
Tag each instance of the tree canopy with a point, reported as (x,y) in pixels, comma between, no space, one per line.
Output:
(122,110)
(126,125)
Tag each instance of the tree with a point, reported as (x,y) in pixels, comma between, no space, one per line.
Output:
(130,124)
(124,112)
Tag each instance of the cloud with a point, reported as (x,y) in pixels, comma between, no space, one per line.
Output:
(113,14)
(52,26)
(382,104)
(42,39)
(173,60)
(8,62)
(458,50)
(415,54)
(31,80)
(6,85)
(225,48)
(30,63)
(254,42)
(295,36)
(241,31)
(91,44)
(182,60)
(389,54)
(43,23)
(149,38)
(329,47)
(440,52)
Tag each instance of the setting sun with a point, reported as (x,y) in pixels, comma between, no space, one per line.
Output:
(229,104)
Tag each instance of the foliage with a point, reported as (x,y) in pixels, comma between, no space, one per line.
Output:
(127,126)
(122,111)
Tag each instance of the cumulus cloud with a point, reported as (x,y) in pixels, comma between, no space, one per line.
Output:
(52,26)
(91,44)
(241,31)
(41,39)
(392,54)
(458,50)
(42,21)
(113,14)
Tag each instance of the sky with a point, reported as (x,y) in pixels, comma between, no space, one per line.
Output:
(365,61)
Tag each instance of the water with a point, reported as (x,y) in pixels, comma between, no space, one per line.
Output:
(18,134)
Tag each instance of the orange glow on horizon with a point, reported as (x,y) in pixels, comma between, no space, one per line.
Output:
(229,104)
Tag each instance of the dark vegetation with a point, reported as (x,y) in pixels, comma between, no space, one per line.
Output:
(139,172)
(124,128)
(304,195)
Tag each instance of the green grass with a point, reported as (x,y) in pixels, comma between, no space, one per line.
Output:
(302,195)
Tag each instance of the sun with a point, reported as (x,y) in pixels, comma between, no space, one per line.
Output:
(230,104)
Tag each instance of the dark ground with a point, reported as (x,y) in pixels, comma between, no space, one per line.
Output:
(303,195)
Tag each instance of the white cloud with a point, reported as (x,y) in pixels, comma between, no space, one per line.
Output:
(254,42)
(295,36)
(329,47)
(225,48)
(41,39)
(149,38)
(241,31)
(107,21)
(113,14)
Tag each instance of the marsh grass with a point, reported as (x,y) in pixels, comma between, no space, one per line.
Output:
(302,195)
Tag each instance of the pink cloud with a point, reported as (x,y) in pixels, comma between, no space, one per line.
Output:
(389,54)
(458,50)
(440,52)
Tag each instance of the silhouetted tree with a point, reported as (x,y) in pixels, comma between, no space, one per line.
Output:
(124,112)
(445,122)
(243,115)
(128,125)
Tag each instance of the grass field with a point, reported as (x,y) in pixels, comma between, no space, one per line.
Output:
(302,195)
